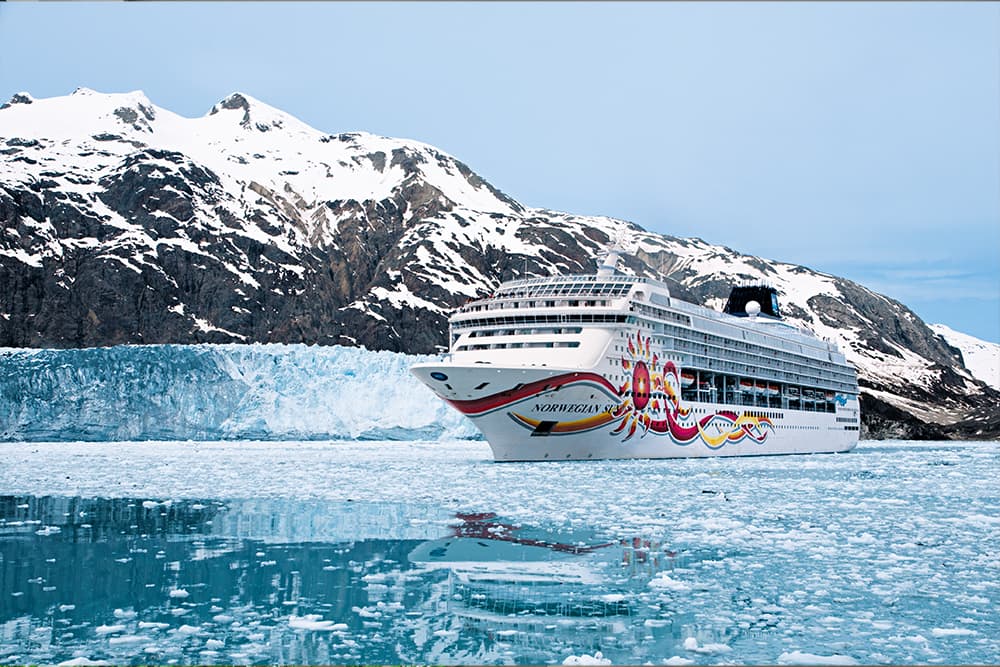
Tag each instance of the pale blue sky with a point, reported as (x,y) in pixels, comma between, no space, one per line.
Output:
(858,139)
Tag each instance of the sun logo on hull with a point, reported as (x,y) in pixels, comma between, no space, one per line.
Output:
(649,393)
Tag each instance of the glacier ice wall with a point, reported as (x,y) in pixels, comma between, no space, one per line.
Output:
(218,392)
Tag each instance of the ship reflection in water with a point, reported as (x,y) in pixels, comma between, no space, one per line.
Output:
(270,581)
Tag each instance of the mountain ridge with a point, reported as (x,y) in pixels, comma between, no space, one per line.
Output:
(126,223)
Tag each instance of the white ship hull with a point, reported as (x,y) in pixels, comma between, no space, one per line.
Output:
(549,414)
(610,366)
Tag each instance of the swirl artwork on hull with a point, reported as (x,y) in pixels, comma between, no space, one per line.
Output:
(650,403)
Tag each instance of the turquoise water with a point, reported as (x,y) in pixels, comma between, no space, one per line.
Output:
(313,553)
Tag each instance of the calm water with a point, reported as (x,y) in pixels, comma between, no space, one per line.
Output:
(417,553)
(139,581)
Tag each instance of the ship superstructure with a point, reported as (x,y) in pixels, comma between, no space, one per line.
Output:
(611,366)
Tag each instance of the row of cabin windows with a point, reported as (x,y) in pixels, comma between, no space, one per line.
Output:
(772,360)
(725,389)
(518,346)
(794,373)
(803,375)
(500,305)
(789,350)
(572,288)
(663,314)
(514,320)
(524,332)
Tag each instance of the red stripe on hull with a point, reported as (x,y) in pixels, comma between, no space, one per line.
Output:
(492,402)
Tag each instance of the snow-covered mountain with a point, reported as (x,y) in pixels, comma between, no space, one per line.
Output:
(125,223)
(981,357)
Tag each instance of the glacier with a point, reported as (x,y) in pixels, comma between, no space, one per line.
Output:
(219,392)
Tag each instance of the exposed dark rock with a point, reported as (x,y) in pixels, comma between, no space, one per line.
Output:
(146,245)
(18,98)
(881,420)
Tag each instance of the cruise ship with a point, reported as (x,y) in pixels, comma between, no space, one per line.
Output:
(608,366)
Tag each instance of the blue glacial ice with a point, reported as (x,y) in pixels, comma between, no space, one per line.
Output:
(218,392)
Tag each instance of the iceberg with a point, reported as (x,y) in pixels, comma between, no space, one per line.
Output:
(219,392)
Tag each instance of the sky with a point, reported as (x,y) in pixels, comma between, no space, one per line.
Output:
(859,139)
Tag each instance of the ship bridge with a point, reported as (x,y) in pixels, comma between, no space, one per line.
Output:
(556,320)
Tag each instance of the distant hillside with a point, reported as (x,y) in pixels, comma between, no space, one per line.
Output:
(123,222)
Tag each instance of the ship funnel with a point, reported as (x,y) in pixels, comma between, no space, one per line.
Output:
(753,299)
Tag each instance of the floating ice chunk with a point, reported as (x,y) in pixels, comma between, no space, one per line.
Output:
(187,630)
(67,607)
(214,643)
(801,658)
(122,613)
(585,659)
(150,625)
(82,661)
(691,644)
(178,593)
(150,504)
(952,632)
(48,530)
(677,660)
(316,623)
(663,581)
(128,639)
(109,629)
(713,648)
(365,612)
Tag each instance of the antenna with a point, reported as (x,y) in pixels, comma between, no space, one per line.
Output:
(621,244)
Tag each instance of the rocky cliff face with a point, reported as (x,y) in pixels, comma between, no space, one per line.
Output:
(121,222)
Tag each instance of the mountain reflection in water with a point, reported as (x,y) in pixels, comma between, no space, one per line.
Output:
(278,581)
